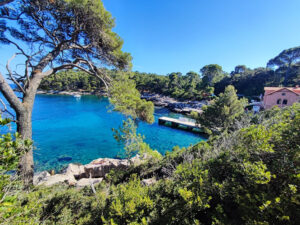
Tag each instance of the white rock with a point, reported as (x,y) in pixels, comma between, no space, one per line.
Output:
(123,163)
(59,178)
(96,169)
(102,166)
(149,181)
(139,159)
(76,170)
(40,177)
(88,181)
(136,160)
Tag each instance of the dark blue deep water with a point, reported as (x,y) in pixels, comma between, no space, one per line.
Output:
(66,129)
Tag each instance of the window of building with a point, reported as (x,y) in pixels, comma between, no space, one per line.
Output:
(283,94)
(284,102)
(278,101)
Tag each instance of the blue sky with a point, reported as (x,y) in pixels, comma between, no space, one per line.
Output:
(166,36)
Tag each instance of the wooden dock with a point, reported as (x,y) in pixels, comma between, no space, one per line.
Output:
(175,123)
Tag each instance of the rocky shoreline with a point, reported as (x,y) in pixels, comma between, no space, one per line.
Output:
(73,93)
(184,107)
(87,175)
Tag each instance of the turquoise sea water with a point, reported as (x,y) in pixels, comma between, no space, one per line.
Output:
(69,130)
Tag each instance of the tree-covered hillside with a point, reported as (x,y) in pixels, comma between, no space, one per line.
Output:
(192,86)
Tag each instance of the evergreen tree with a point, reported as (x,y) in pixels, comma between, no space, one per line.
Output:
(58,35)
(223,111)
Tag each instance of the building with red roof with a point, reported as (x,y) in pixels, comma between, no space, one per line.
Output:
(281,96)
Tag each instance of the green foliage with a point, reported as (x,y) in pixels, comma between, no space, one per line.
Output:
(241,180)
(72,80)
(191,86)
(221,114)
(134,143)
(73,20)
(250,176)
(212,74)
(11,149)
(286,58)
(72,206)
(129,204)
(174,85)
(252,82)
(56,205)
(126,99)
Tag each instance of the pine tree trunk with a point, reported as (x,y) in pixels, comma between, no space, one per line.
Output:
(24,128)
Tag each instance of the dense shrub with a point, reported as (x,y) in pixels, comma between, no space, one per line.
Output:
(128,203)
(11,149)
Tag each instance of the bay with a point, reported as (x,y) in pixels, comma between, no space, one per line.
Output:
(66,129)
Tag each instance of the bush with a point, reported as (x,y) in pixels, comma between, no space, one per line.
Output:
(128,203)
(11,149)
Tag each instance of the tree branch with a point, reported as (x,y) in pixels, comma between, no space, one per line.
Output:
(11,74)
(18,47)
(40,24)
(49,57)
(10,95)
(97,72)
(5,109)
(66,66)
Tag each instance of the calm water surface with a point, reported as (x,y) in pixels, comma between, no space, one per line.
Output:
(66,129)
